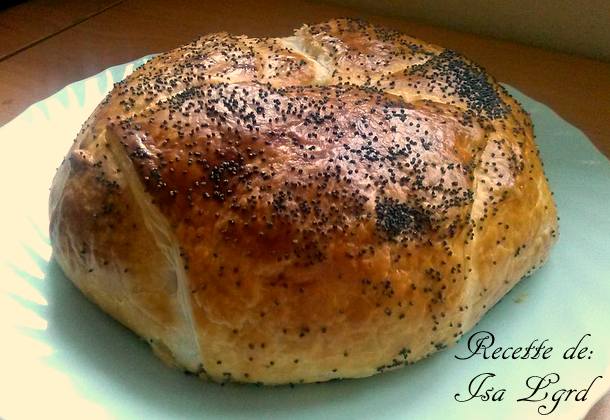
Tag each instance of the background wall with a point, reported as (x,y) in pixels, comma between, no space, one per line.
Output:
(579,27)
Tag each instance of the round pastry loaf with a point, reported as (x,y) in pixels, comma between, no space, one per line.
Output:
(332,204)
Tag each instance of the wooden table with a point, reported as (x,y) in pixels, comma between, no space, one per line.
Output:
(45,45)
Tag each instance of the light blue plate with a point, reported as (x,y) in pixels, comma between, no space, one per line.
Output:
(61,357)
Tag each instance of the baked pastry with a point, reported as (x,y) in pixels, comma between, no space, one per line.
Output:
(332,204)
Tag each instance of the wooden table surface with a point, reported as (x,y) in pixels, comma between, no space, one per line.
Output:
(47,44)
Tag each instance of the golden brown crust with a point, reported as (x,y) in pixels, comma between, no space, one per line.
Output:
(332,204)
